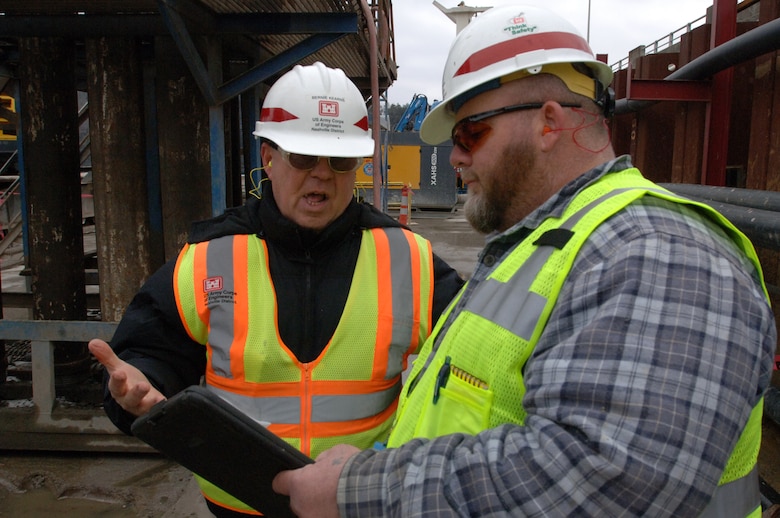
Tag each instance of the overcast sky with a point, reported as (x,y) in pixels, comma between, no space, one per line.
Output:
(423,33)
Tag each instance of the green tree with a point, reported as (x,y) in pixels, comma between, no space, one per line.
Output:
(394,112)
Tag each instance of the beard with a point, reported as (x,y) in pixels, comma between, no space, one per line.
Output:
(491,209)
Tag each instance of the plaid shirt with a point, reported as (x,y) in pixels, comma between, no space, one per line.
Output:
(660,345)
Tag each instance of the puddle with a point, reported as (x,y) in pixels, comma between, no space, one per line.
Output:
(38,503)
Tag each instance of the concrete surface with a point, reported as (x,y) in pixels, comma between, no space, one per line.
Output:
(117,485)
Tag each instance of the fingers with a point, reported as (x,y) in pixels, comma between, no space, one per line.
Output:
(312,489)
(104,354)
(128,386)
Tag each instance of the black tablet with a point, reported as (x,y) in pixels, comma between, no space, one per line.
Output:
(210,437)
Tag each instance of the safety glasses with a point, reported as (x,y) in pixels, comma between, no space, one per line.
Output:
(470,132)
(309,162)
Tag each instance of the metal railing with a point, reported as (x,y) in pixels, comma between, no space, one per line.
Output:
(43,425)
(662,44)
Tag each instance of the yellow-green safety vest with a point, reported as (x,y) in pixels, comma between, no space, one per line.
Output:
(349,394)
(509,311)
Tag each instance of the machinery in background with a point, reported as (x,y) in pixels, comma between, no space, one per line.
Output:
(408,161)
(7,124)
(412,118)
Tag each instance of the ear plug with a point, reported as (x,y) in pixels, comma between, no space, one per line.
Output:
(546,130)
(270,163)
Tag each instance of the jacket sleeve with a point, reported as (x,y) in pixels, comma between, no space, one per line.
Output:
(447,282)
(151,337)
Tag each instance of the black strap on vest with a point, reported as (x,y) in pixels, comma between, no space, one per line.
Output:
(557,237)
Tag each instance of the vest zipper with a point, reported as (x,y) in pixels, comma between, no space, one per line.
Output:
(305,407)
(308,311)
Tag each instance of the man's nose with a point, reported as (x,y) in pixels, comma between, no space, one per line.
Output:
(322,169)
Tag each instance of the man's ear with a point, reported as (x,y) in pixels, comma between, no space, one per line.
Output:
(266,155)
(553,120)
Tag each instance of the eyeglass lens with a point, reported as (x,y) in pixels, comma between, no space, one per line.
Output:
(309,162)
(468,135)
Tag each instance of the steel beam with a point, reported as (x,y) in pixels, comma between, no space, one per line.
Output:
(324,32)
(663,90)
(56,330)
(152,24)
(217,136)
(716,143)
(287,23)
(273,66)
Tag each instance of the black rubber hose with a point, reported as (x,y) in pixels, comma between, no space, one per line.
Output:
(765,200)
(772,404)
(762,227)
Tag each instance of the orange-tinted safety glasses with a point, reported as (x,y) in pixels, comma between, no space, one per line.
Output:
(469,132)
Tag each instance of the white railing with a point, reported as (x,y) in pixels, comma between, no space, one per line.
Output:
(662,44)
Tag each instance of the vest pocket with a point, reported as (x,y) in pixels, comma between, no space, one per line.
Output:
(462,406)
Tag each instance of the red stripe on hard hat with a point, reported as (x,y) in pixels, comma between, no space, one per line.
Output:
(362,124)
(511,48)
(276,115)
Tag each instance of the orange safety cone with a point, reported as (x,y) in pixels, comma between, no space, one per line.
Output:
(403,217)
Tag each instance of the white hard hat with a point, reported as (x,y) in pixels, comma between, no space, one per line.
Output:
(511,42)
(316,110)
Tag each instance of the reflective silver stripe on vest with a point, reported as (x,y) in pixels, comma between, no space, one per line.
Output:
(219,257)
(348,407)
(736,499)
(219,262)
(510,304)
(287,410)
(403,298)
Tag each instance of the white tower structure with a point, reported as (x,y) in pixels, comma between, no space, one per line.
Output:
(461,15)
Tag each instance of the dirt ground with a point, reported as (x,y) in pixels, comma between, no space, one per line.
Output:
(82,485)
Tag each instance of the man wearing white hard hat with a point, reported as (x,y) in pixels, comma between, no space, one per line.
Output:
(300,307)
(609,354)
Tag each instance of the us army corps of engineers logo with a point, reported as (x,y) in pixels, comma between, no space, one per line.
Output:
(215,294)
(329,119)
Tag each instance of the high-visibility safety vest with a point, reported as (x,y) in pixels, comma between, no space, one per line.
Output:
(460,388)
(349,394)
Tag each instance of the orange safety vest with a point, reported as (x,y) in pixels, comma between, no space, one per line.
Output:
(349,394)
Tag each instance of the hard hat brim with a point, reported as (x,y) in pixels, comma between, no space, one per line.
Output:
(321,145)
(437,126)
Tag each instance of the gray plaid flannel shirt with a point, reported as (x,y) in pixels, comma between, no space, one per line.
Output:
(659,346)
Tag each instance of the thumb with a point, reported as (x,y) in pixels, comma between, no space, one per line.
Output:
(104,354)
(281,483)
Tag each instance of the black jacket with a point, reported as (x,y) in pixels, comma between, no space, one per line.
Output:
(311,272)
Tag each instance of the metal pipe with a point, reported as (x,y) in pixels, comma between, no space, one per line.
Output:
(376,125)
(761,226)
(764,38)
(765,200)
